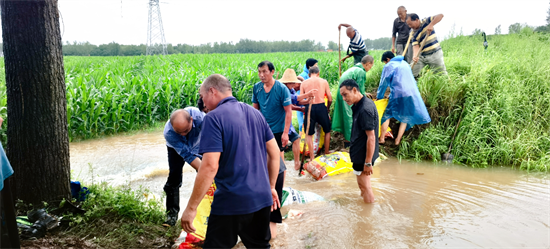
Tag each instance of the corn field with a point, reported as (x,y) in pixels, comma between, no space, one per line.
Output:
(505,92)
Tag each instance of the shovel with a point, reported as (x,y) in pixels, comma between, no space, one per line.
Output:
(305,142)
(407,46)
(448,157)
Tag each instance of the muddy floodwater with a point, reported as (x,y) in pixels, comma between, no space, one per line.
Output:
(419,205)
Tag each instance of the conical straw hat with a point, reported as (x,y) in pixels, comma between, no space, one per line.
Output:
(289,77)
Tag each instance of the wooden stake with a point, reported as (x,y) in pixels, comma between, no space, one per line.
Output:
(305,141)
(407,46)
(339,55)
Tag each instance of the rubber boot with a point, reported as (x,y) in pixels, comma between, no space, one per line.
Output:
(172,208)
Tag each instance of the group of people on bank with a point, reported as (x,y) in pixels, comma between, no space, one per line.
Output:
(241,147)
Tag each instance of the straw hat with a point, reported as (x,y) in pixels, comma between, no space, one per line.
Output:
(289,77)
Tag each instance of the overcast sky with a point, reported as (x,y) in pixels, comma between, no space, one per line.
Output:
(203,21)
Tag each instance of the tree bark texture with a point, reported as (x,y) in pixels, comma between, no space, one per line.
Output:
(38,142)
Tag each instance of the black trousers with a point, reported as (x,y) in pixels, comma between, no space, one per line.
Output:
(253,229)
(173,184)
(9,234)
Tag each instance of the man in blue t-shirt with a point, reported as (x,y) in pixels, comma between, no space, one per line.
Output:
(182,135)
(240,154)
(272,98)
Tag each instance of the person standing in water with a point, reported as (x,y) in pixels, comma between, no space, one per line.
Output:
(341,118)
(245,170)
(364,132)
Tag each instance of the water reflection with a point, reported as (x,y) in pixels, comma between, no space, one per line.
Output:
(446,206)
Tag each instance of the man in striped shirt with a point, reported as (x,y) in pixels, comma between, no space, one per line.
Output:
(356,44)
(431,54)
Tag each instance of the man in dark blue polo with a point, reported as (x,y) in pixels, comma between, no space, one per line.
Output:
(241,155)
(182,134)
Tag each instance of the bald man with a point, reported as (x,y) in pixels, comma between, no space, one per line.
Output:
(356,47)
(182,134)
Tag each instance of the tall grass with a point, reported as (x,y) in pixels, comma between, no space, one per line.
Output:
(506,96)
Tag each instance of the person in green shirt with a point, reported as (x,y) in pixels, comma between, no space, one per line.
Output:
(342,116)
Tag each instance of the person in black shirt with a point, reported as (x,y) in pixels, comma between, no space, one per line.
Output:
(364,134)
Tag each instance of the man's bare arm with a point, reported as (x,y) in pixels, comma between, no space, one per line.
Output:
(307,95)
(371,143)
(436,20)
(329,95)
(344,24)
(273,157)
(416,49)
(196,164)
(296,108)
(256,105)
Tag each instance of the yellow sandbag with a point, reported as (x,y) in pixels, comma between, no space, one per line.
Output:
(335,163)
(203,212)
(318,140)
(381,105)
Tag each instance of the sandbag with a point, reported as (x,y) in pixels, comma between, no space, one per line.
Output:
(332,164)
(200,222)
(381,105)
(293,196)
(329,165)
(318,140)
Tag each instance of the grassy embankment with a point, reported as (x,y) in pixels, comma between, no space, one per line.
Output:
(506,95)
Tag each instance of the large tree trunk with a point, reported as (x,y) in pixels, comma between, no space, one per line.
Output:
(38,142)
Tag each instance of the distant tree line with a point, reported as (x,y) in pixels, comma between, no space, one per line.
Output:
(517,28)
(243,46)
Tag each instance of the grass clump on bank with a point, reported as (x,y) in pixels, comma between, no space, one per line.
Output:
(113,218)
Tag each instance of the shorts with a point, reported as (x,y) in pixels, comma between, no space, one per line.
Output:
(358,55)
(253,229)
(319,114)
(359,167)
(276,215)
(291,137)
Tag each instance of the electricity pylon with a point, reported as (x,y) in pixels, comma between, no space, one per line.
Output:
(156,43)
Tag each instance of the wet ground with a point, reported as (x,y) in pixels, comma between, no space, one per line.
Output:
(443,206)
